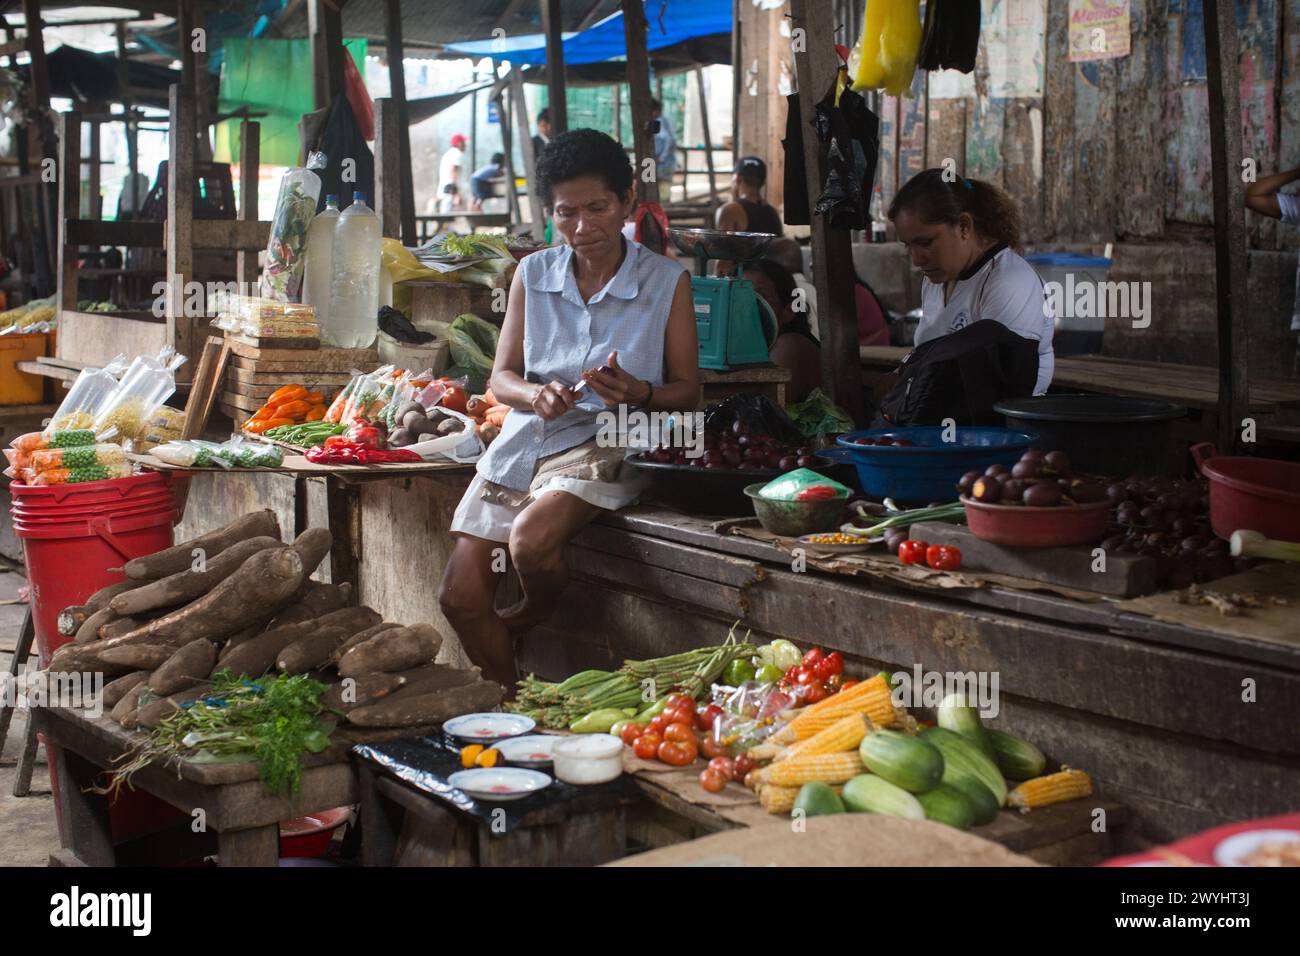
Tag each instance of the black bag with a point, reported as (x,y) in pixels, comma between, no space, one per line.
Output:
(960,376)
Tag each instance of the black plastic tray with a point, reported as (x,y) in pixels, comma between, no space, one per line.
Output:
(715,491)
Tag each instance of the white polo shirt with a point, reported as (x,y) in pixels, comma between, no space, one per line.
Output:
(1000,286)
(1289,206)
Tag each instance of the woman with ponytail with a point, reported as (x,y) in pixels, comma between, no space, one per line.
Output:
(964,236)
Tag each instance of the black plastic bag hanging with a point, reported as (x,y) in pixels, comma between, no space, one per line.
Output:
(952,35)
(796,177)
(341,139)
(851,133)
(760,415)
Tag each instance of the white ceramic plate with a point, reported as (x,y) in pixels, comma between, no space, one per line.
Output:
(499,784)
(1234,850)
(479,728)
(533,750)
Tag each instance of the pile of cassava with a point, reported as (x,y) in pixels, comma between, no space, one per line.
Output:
(239,598)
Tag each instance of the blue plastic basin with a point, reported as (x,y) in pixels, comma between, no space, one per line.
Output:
(928,470)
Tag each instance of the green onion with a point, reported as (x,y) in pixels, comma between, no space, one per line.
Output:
(950,512)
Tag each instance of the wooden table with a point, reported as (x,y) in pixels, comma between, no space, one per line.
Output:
(768,380)
(234,806)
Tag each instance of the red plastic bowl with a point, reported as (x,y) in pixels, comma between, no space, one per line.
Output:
(1252,494)
(311,835)
(1024,527)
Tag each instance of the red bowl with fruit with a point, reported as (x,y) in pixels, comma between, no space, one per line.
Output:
(1022,526)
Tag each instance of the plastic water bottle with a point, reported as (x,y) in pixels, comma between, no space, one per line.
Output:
(320,263)
(354,291)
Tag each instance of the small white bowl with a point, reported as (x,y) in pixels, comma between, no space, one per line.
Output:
(499,784)
(531,751)
(588,759)
(479,728)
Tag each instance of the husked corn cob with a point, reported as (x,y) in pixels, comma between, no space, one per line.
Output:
(1052,788)
(826,768)
(845,734)
(775,799)
(871,697)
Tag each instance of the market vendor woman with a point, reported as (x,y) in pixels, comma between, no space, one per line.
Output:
(963,235)
(598,309)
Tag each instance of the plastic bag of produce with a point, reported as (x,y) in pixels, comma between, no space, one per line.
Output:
(473,343)
(265,318)
(147,384)
(464,446)
(68,476)
(817,415)
(242,453)
(190,454)
(295,208)
(77,456)
(91,389)
(803,484)
(760,414)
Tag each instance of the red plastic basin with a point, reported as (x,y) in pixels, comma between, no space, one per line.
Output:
(1251,494)
(311,835)
(1023,527)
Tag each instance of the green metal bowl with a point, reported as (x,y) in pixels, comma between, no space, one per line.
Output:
(794,518)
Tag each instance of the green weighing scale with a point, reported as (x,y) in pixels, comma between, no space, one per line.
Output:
(734,325)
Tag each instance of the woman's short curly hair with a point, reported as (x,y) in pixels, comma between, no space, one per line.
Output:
(583,152)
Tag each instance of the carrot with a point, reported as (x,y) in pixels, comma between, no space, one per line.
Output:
(288,393)
(490,398)
(496,415)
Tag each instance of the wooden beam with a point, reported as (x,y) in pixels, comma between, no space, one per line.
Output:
(815,69)
(503,119)
(638,83)
(69,189)
(519,106)
(1229,219)
(553,27)
(40,75)
(185,23)
(250,164)
(229,234)
(511,11)
(708,143)
(388,177)
(325,27)
(397,93)
(95,201)
(737,79)
(129,124)
(180,223)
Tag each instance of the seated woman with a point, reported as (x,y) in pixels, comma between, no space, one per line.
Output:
(795,348)
(963,236)
(598,311)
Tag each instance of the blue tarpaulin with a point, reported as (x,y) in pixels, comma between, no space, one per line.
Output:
(671,22)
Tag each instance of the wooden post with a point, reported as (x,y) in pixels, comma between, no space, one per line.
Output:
(1229,219)
(832,254)
(397,93)
(519,106)
(250,161)
(388,179)
(708,143)
(178,232)
(185,44)
(40,74)
(69,190)
(503,119)
(128,108)
(737,80)
(94,201)
(325,26)
(553,26)
(638,82)
(618,112)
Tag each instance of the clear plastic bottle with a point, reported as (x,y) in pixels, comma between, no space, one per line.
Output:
(354,291)
(320,262)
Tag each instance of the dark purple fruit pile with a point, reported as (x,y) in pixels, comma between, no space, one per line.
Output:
(737,449)
(1037,480)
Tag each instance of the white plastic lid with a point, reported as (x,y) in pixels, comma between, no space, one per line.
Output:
(589,745)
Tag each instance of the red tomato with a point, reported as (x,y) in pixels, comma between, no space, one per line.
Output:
(712,781)
(678,754)
(725,766)
(675,699)
(823,669)
(744,764)
(851,682)
(647,746)
(680,733)
(814,692)
(943,557)
(454,398)
(658,722)
(912,552)
(835,660)
(705,718)
(713,747)
(631,732)
(812,657)
(680,715)
(807,675)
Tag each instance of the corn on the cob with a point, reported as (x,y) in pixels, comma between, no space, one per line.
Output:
(1053,788)
(775,799)
(826,768)
(845,734)
(871,697)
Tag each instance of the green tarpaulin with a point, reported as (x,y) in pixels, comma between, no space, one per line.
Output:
(270,76)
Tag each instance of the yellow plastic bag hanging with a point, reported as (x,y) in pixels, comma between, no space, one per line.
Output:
(885,55)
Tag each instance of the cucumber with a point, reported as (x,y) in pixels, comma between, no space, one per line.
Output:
(984,806)
(905,761)
(1017,759)
(817,799)
(961,758)
(960,717)
(946,804)
(867,793)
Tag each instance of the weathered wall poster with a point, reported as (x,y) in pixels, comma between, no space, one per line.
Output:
(1099,29)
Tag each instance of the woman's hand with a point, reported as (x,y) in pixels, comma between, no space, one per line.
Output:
(553,400)
(616,386)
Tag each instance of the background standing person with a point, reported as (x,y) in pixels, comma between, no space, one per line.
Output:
(748,211)
(665,153)
(449,169)
(1265,197)
(543,135)
(480,183)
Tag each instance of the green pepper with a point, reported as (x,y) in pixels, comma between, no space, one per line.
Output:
(598,721)
(769,674)
(654,710)
(737,672)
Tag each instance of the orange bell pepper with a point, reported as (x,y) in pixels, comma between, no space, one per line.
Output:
(314,398)
(259,427)
(263,413)
(316,413)
(295,409)
(289,393)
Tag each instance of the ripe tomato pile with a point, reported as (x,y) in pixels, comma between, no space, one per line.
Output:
(941,557)
(679,734)
(816,677)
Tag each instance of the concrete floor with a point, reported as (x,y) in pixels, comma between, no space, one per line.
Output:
(28,832)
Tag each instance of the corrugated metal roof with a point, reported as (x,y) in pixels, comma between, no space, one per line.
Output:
(429,23)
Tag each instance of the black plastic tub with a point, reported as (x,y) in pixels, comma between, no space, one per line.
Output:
(715,491)
(1103,434)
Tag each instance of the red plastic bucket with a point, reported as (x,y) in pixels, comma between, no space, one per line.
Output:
(1251,494)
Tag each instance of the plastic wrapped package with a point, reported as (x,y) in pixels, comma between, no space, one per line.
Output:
(67,476)
(295,208)
(885,54)
(799,485)
(266,318)
(364,396)
(79,456)
(165,424)
(90,390)
(34,441)
(236,453)
(147,384)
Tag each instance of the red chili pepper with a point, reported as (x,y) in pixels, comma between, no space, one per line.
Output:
(912,552)
(943,557)
(371,456)
(816,493)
